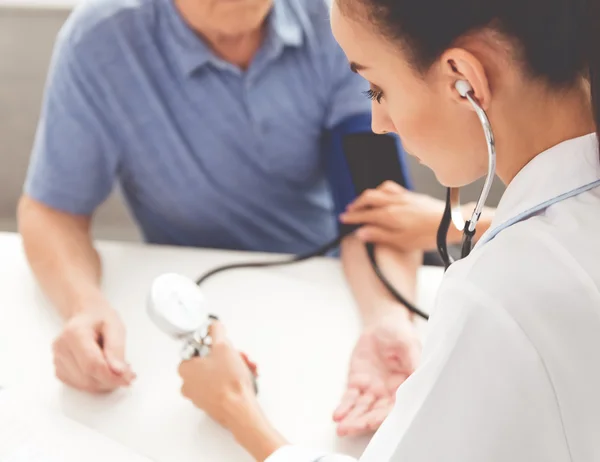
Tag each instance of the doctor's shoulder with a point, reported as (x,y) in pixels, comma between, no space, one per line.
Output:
(529,273)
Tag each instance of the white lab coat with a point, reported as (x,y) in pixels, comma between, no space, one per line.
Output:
(511,368)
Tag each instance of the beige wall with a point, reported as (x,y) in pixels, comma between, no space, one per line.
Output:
(26,40)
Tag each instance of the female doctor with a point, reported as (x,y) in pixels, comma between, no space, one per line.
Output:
(511,368)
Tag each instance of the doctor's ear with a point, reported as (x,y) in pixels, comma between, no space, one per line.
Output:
(465,73)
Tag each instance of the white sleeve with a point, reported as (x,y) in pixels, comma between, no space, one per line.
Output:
(300,454)
(482,392)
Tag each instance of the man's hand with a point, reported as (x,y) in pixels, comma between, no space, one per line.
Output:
(385,355)
(90,352)
(396,217)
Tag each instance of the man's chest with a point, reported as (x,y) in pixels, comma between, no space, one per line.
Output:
(225,122)
(219,134)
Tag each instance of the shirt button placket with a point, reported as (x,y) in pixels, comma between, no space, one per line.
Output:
(253,111)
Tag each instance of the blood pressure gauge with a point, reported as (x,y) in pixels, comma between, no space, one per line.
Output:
(177,306)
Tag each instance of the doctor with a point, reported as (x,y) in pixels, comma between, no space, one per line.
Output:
(510,371)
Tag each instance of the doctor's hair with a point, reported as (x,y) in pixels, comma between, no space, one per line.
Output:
(558,40)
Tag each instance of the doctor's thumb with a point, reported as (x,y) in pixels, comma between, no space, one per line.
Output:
(217,333)
(392,187)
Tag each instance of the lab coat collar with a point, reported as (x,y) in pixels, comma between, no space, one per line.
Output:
(557,171)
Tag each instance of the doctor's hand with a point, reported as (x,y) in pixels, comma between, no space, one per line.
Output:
(396,217)
(221,385)
(90,352)
(384,357)
(221,381)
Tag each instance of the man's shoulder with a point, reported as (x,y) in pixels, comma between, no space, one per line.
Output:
(98,24)
(314,16)
(317,9)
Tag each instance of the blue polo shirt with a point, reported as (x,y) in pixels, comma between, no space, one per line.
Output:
(204,153)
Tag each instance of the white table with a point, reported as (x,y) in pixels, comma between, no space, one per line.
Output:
(298,323)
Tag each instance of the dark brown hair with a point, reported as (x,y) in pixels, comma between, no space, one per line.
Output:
(559,40)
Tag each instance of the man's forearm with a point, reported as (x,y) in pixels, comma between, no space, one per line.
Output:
(372,297)
(61,254)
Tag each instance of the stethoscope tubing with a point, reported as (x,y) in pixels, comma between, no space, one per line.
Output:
(452,214)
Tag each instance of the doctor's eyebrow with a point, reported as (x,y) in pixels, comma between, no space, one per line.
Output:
(356,68)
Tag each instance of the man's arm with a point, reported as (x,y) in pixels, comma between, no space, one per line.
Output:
(388,349)
(90,352)
(60,251)
(374,301)
(74,164)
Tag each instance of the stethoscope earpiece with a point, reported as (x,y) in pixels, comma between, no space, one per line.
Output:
(463,87)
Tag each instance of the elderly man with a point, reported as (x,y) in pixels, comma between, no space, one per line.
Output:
(210,114)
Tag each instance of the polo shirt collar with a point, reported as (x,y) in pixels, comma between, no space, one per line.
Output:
(192,53)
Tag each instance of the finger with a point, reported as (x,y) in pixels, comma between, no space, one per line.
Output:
(189,367)
(217,333)
(379,216)
(355,421)
(370,198)
(391,187)
(353,428)
(378,413)
(193,373)
(346,404)
(91,361)
(129,376)
(113,345)
(186,390)
(380,235)
(251,365)
(363,405)
(69,373)
(184,367)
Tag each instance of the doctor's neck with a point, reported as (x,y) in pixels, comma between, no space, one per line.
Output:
(540,119)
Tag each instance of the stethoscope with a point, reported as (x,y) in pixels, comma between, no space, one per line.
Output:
(452,212)
(178,307)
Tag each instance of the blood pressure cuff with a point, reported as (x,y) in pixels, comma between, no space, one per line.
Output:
(357,159)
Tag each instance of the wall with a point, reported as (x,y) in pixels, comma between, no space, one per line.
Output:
(27,34)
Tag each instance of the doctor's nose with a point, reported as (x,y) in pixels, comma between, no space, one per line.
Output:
(381,122)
